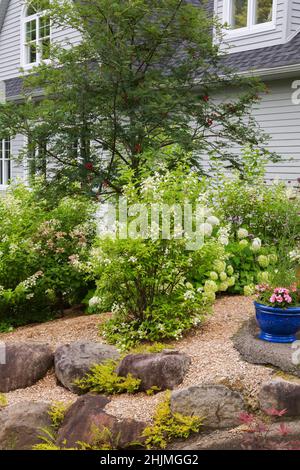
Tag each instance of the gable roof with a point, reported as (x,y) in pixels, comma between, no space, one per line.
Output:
(3,9)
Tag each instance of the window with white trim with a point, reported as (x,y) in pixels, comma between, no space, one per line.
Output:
(249,14)
(5,161)
(36,32)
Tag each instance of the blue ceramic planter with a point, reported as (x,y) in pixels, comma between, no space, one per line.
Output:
(278,325)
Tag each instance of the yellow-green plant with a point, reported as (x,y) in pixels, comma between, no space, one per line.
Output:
(102,378)
(152,390)
(168,426)
(57,413)
(155,347)
(102,440)
(48,438)
(3,400)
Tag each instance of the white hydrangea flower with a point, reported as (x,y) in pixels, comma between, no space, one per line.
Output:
(189,295)
(212,220)
(94,301)
(213,276)
(223,240)
(249,290)
(230,270)
(223,286)
(256,244)
(210,286)
(206,229)
(219,266)
(209,297)
(242,233)
(189,286)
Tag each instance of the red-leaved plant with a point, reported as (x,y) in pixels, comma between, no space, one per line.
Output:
(260,435)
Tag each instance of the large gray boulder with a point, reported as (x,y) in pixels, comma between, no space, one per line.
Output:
(21,424)
(72,361)
(164,370)
(86,421)
(23,364)
(281,395)
(218,405)
(256,351)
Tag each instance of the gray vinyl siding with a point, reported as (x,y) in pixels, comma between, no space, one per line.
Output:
(256,40)
(280,119)
(10,40)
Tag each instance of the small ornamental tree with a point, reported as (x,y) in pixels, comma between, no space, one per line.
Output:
(142,78)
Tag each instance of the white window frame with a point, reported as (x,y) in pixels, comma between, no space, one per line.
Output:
(4,184)
(251,28)
(24,20)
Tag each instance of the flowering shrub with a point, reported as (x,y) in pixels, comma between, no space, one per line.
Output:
(156,288)
(250,260)
(212,271)
(144,285)
(267,211)
(281,297)
(40,248)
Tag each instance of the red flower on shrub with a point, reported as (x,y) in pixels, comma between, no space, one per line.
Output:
(209,122)
(89,166)
(206,98)
(137,148)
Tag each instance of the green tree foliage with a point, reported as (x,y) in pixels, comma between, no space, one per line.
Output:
(143,77)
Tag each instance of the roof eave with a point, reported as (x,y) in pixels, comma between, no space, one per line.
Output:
(273,73)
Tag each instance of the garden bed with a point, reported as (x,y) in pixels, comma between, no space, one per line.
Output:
(214,358)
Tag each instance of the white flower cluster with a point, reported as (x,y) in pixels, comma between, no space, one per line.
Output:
(243,234)
(32,280)
(223,235)
(95,301)
(295,255)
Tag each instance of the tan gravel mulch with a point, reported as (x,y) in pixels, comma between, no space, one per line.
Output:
(214,358)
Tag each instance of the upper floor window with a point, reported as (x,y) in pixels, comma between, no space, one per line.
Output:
(36,32)
(249,14)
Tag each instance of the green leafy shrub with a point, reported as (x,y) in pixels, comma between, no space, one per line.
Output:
(145,281)
(212,272)
(168,426)
(251,266)
(41,248)
(102,378)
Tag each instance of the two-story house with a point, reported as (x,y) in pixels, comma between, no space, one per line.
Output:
(263,38)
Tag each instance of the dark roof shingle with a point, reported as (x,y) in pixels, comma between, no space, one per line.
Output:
(266,57)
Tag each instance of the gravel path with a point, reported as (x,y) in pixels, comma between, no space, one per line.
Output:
(213,358)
